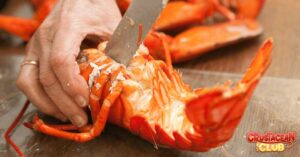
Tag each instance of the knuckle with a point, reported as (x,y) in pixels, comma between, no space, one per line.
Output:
(46,25)
(38,34)
(44,34)
(46,80)
(57,60)
(70,90)
(45,29)
(74,88)
(21,83)
(29,46)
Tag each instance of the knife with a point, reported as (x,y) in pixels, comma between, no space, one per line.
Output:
(123,43)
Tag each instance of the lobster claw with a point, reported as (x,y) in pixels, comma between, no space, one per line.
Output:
(216,112)
(201,39)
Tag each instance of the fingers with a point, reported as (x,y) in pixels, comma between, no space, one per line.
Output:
(50,86)
(56,86)
(57,94)
(60,77)
(67,72)
(28,82)
(64,65)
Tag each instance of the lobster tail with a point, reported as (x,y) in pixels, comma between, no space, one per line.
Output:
(216,112)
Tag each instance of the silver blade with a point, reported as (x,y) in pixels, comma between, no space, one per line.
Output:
(123,43)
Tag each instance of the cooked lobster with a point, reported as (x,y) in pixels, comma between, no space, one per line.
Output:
(150,99)
(185,19)
(195,37)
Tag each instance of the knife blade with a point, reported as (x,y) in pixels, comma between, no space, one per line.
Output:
(123,43)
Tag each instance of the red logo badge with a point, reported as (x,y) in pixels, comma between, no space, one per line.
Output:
(272,142)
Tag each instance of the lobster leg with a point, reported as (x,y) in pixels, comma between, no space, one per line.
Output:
(216,120)
(96,95)
(65,127)
(216,6)
(223,10)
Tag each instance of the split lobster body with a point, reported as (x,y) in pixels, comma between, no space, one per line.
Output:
(150,99)
(153,97)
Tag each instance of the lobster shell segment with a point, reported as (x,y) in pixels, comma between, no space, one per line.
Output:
(150,99)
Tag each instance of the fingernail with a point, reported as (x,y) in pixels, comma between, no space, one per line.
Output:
(78,121)
(80,101)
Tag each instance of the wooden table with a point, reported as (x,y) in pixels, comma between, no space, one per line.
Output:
(274,107)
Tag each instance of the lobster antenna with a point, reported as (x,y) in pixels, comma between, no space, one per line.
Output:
(138,43)
(167,53)
(223,10)
(13,126)
(166,48)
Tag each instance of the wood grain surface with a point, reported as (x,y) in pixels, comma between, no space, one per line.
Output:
(275,105)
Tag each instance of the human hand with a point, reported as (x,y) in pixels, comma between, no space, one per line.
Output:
(55,85)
